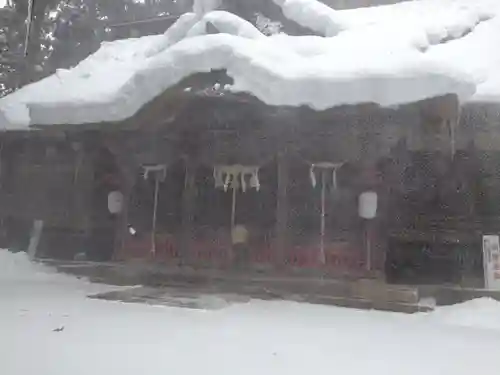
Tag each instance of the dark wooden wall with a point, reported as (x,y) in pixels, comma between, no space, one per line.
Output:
(45,178)
(48,176)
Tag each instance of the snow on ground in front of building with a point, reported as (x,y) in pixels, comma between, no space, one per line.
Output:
(479,313)
(48,327)
(387,55)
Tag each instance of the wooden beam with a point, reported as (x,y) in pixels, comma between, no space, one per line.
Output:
(282,208)
(122,222)
(188,207)
(82,187)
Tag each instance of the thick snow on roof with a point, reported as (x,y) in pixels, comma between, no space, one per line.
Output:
(314,15)
(387,55)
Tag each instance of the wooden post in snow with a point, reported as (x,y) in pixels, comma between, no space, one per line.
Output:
(36,235)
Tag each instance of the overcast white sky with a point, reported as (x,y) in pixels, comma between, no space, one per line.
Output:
(2,3)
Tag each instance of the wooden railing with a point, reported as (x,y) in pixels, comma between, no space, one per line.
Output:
(216,251)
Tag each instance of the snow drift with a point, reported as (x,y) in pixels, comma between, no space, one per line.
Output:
(479,313)
(387,55)
(18,270)
(49,327)
(17,266)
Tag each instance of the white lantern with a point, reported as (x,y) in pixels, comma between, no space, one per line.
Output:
(367,207)
(115,202)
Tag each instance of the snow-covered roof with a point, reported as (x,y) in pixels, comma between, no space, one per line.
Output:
(387,55)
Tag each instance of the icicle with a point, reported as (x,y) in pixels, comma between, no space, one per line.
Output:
(235,183)
(335,178)
(227,181)
(158,168)
(219,182)
(313,176)
(243,182)
(452,138)
(254,179)
(235,177)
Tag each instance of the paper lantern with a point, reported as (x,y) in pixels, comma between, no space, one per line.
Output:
(115,202)
(367,207)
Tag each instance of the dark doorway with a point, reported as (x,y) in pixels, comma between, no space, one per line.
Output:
(107,178)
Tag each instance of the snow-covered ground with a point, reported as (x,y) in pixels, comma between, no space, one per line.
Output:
(103,338)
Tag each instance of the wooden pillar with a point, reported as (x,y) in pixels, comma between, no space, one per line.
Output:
(368,226)
(122,222)
(473,176)
(129,169)
(282,208)
(82,187)
(188,207)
